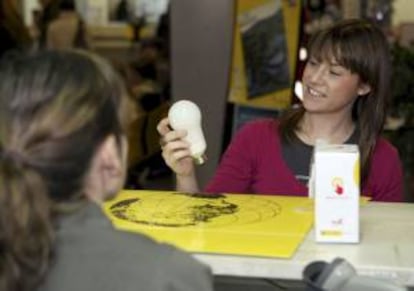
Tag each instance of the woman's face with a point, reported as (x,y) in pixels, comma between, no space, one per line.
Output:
(329,88)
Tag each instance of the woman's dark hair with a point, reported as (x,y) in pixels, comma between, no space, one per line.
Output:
(361,47)
(56,108)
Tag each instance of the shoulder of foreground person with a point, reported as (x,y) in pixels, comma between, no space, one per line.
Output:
(183,272)
(170,268)
(92,255)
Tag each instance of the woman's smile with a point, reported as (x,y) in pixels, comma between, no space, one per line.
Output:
(314,93)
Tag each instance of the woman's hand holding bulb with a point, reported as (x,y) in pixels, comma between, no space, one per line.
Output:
(175,150)
(183,143)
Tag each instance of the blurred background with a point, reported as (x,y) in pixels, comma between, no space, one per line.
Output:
(168,50)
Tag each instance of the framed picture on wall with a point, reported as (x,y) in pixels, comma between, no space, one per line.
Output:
(264,55)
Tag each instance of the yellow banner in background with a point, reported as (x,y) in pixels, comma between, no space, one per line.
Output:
(254,225)
(265,45)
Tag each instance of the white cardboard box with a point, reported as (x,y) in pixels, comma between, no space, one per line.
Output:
(336,193)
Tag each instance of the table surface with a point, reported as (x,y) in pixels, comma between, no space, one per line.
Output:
(386,250)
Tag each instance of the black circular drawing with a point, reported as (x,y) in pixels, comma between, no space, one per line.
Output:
(184,209)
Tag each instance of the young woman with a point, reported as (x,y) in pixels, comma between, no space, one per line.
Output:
(62,153)
(346,88)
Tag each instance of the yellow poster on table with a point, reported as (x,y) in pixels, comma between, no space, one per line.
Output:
(254,225)
(265,46)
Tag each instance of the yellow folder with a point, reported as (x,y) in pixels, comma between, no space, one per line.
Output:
(239,224)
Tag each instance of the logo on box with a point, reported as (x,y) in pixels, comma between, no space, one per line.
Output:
(338,185)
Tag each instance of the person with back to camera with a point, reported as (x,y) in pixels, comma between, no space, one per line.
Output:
(62,154)
(346,86)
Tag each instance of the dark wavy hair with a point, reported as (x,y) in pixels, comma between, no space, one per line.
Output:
(56,108)
(361,47)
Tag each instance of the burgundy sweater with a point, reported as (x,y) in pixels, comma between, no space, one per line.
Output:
(253,163)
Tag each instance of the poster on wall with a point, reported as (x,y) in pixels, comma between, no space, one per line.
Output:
(264,52)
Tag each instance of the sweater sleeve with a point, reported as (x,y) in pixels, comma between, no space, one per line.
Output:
(386,175)
(235,171)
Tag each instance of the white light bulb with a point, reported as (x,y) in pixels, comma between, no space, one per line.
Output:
(186,115)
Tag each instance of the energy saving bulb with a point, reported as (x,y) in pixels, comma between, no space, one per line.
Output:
(186,115)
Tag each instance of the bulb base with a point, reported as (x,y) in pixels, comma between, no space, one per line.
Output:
(199,160)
